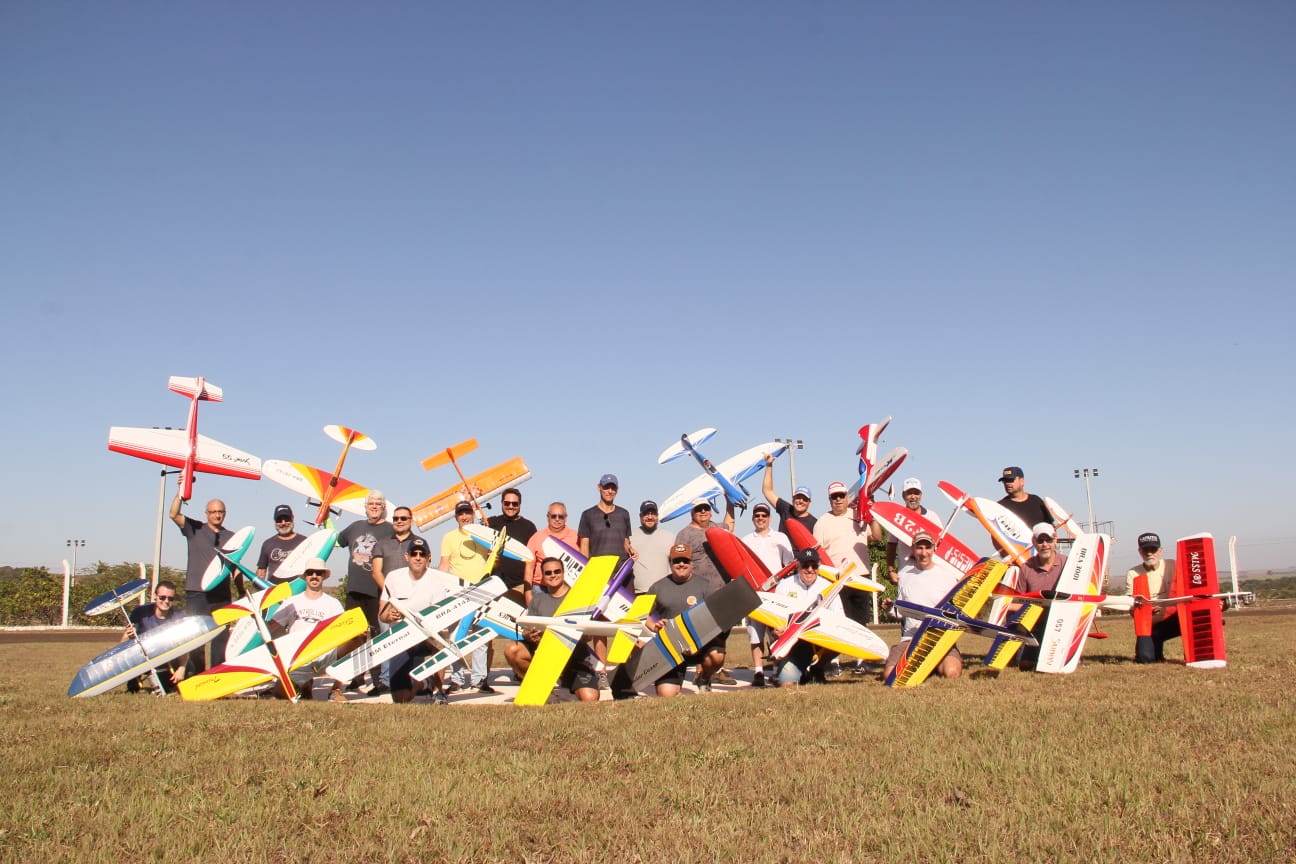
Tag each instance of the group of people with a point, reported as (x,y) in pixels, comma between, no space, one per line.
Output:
(388,563)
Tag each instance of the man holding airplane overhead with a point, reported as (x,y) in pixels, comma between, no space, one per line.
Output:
(204,538)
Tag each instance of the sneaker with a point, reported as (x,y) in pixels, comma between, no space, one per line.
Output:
(758,680)
(722,677)
(338,696)
(484,687)
(603,681)
(440,698)
(705,686)
(380,689)
(452,687)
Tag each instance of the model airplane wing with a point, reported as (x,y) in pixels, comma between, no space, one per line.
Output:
(486,485)
(462,648)
(128,659)
(835,632)
(902,524)
(1069,623)
(317,484)
(117,597)
(1009,534)
(319,544)
(171,447)
(486,537)
(737,561)
(557,643)
(228,557)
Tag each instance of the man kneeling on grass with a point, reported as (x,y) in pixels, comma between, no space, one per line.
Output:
(303,612)
(578,675)
(924,583)
(675,594)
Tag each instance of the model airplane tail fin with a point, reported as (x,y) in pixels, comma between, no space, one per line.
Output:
(976,588)
(195,388)
(1003,649)
(445,457)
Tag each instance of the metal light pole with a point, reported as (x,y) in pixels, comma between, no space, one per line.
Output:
(73,544)
(1087,473)
(793,445)
(69,576)
(157,542)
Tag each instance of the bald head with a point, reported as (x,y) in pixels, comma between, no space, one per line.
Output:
(215,513)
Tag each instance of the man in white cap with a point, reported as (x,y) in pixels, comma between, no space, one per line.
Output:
(1040,573)
(846,542)
(798,510)
(775,552)
(897,553)
(303,612)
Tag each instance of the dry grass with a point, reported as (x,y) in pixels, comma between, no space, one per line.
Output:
(1114,763)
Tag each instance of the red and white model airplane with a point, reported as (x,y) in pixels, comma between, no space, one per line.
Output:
(185,448)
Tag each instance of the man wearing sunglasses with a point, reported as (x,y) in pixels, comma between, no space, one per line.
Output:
(415,588)
(305,611)
(578,675)
(203,539)
(846,542)
(519,528)
(389,554)
(462,557)
(149,615)
(775,551)
(275,549)
(1030,508)
(556,527)
(704,569)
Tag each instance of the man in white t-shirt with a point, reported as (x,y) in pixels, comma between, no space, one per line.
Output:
(303,612)
(775,552)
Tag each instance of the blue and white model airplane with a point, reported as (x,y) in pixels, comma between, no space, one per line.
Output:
(723,480)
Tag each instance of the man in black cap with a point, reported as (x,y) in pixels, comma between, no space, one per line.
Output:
(1029,508)
(651,543)
(275,549)
(1152,579)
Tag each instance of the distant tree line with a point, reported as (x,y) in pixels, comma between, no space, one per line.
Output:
(33,596)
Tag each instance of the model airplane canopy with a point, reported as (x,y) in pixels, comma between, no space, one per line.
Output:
(185,448)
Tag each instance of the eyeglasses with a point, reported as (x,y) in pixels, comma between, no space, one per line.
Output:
(611,486)
(214,512)
(402,518)
(512,503)
(1044,538)
(552,572)
(165,597)
(557,515)
(836,496)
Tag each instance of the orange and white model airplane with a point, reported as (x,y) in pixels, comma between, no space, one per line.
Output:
(330,491)
(185,448)
(475,489)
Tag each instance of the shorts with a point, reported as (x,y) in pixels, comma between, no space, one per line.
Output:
(676,676)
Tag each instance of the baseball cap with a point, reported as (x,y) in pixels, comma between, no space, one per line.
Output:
(1149,541)
(808,557)
(315,564)
(609,480)
(647,507)
(681,550)
(835,487)
(761,508)
(700,502)
(923,537)
(1012,472)
(1043,528)
(911,483)
(418,544)
(283,511)
(463,507)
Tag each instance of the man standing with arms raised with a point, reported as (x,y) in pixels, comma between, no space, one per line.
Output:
(204,539)
(798,510)
(362,588)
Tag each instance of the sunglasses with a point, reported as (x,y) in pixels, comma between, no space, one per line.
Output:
(165,597)
(836,496)
(402,518)
(417,553)
(809,566)
(552,572)
(675,562)
(283,519)
(314,573)
(705,508)
(557,515)
(760,514)
(512,503)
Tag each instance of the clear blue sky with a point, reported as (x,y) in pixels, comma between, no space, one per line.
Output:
(1053,235)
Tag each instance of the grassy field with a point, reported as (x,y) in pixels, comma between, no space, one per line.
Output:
(1114,763)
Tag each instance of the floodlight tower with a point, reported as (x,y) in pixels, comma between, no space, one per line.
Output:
(1087,473)
(793,445)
